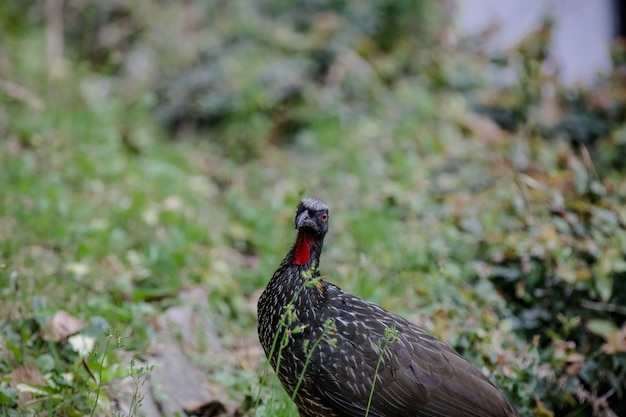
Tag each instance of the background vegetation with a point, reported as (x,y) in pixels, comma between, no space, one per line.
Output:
(152,154)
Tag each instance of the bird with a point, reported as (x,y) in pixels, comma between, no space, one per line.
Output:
(338,355)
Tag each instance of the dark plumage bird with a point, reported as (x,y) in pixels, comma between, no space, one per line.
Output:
(330,347)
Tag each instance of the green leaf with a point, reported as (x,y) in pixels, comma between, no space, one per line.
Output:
(604,286)
(15,349)
(8,395)
(45,363)
(603,328)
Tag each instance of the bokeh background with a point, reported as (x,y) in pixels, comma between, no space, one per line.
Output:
(152,154)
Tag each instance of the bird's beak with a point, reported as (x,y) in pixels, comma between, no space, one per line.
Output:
(302,219)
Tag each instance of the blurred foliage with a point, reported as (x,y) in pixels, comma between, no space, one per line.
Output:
(286,60)
(560,253)
(507,242)
(593,117)
(560,257)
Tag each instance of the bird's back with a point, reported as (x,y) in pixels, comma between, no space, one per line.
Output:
(415,374)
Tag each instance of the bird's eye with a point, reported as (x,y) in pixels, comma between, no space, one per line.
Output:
(324,217)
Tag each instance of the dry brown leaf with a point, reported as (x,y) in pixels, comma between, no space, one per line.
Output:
(29,375)
(616,342)
(61,326)
(484,128)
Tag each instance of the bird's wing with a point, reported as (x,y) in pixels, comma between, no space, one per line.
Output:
(417,375)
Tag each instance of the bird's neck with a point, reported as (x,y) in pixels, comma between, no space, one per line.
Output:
(306,250)
(299,266)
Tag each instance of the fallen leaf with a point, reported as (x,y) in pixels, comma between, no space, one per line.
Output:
(24,379)
(484,128)
(82,344)
(62,325)
(615,341)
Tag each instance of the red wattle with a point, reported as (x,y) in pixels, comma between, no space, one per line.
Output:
(303,249)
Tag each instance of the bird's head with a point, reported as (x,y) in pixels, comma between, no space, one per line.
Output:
(312,217)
